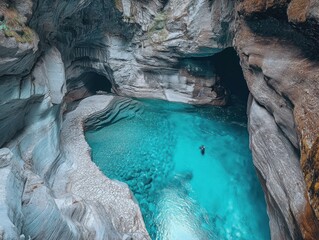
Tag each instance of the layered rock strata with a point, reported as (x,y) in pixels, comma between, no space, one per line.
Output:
(139,47)
(11,188)
(281,71)
(33,204)
(111,201)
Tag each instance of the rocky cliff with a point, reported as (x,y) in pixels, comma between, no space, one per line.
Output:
(276,41)
(54,53)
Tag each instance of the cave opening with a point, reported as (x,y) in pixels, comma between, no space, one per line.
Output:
(95,82)
(220,76)
(87,84)
(230,74)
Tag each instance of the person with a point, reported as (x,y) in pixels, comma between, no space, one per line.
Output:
(202,149)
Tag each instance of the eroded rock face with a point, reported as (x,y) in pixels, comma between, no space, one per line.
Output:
(154,65)
(139,46)
(121,214)
(50,51)
(281,72)
(286,197)
(11,188)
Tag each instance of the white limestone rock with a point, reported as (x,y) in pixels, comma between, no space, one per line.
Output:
(5,157)
(85,180)
(11,188)
(54,67)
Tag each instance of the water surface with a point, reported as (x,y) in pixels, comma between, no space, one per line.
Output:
(183,194)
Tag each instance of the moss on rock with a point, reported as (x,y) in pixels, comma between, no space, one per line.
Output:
(157,31)
(13,26)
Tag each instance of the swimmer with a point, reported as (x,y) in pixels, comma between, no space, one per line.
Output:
(202,149)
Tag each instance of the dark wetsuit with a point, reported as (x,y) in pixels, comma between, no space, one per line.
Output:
(202,149)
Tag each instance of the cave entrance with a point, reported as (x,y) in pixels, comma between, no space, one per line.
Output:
(95,82)
(218,77)
(87,84)
(229,71)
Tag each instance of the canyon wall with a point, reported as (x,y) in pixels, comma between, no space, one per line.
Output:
(277,45)
(54,53)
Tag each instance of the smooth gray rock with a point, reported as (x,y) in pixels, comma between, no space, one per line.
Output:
(11,188)
(5,157)
(177,31)
(282,76)
(277,161)
(43,219)
(84,179)
(54,73)
(137,45)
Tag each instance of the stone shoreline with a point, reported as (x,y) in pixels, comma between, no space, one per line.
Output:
(87,181)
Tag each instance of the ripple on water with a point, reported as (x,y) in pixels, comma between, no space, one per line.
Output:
(182,194)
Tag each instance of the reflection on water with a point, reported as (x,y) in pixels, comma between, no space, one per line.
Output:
(182,194)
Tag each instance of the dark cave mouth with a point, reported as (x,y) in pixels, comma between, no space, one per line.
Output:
(87,84)
(95,82)
(225,68)
(228,69)
(222,69)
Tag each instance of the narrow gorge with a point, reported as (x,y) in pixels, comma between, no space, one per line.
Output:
(67,67)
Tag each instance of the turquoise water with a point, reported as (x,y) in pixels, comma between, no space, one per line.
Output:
(183,194)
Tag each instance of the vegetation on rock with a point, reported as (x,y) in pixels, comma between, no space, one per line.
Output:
(12,25)
(157,31)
